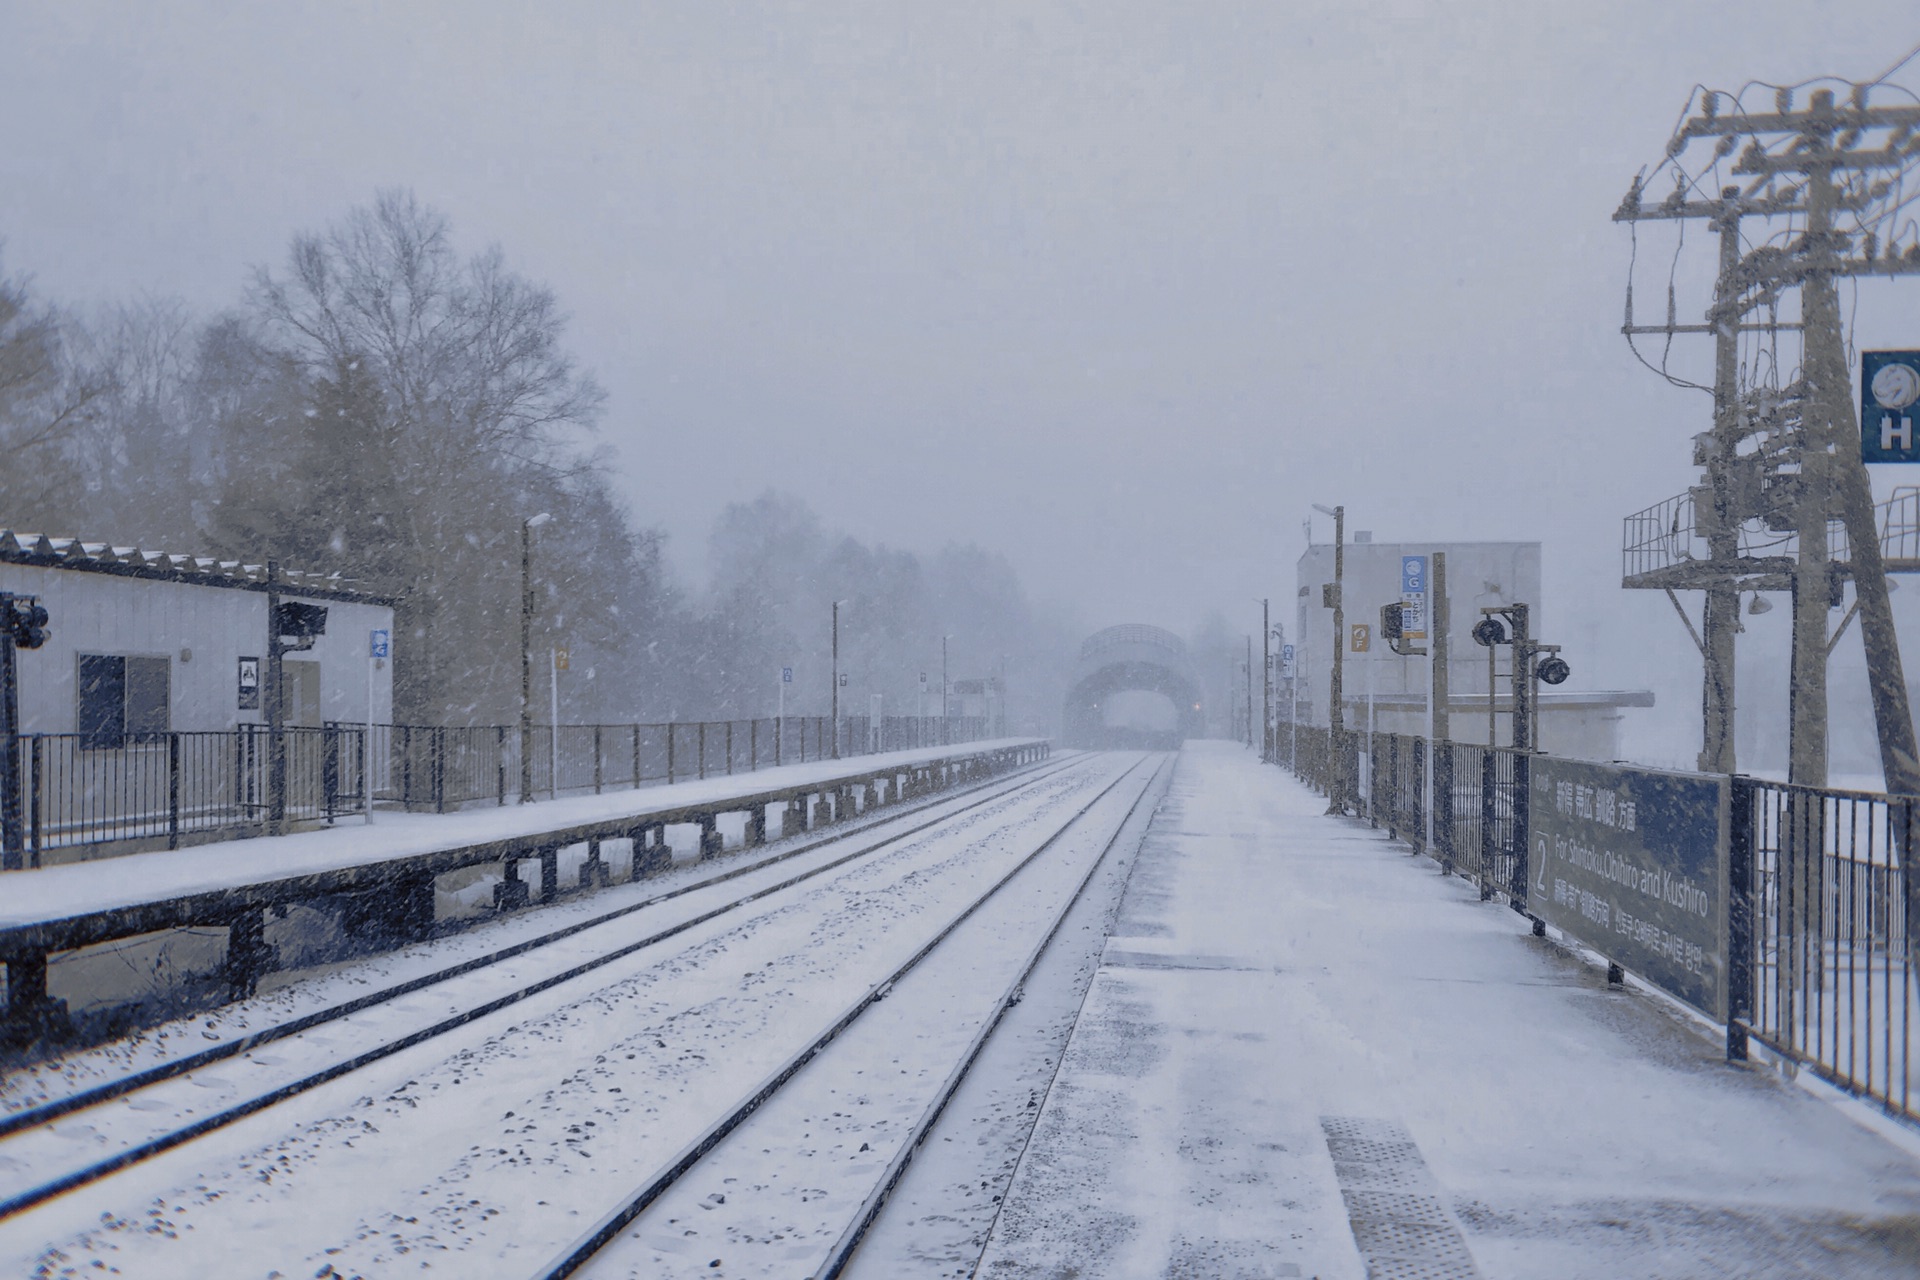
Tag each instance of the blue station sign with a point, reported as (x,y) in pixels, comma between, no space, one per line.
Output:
(1633,863)
(1889,388)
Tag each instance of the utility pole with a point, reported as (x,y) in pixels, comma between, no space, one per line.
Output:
(1831,425)
(1336,717)
(1720,615)
(1814,164)
(834,696)
(946,723)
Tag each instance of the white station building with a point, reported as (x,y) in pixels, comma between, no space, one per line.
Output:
(1584,724)
(143,643)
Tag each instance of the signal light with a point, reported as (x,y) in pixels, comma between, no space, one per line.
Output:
(1489,632)
(27,622)
(1553,671)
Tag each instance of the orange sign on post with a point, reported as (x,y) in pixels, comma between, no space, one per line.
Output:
(1362,637)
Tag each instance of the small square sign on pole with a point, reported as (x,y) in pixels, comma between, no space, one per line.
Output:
(1362,637)
(786,675)
(1889,388)
(380,643)
(1286,662)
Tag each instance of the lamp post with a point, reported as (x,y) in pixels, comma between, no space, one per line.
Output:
(1249,691)
(836,678)
(946,708)
(527,527)
(1266,683)
(1336,773)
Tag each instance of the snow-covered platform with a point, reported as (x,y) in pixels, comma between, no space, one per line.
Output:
(395,859)
(1307,1053)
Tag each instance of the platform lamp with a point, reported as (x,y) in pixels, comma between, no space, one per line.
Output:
(527,527)
(1336,763)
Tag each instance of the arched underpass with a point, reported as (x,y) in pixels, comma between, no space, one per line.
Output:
(1133,687)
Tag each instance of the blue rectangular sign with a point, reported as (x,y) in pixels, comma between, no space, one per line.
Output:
(1413,597)
(1633,863)
(379,643)
(1889,387)
(786,675)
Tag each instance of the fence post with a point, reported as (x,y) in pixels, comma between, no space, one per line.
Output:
(1396,795)
(729,748)
(329,770)
(670,737)
(406,767)
(703,750)
(1486,823)
(500,764)
(439,769)
(173,789)
(1740,913)
(596,759)
(1522,807)
(1443,804)
(32,792)
(753,745)
(636,756)
(1422,811)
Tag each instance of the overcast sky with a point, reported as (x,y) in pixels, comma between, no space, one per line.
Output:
(1118,289)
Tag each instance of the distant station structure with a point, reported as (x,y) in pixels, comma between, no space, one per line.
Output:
(1480,575)
(1134,686)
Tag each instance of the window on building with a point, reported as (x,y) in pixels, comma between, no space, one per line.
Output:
(123,700)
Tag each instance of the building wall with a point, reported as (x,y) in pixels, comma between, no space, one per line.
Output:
(202,631)
(1582,732)
(1478,574)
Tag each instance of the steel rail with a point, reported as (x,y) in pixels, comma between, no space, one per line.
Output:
(140,1152)
(850,1240)
(603,1232)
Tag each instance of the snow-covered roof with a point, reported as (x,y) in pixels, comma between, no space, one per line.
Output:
(45,552)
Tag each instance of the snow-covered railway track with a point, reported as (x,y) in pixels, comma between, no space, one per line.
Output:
(40,1158)
(757,1193)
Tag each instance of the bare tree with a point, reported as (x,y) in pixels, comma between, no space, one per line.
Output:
(49,396)
(440,410)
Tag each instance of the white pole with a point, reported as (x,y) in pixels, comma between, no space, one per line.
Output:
(1370,778)
(553,735)
(780,718)
(366,763)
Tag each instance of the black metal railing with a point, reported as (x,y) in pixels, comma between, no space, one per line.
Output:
(1830,945)
(172,787)
(1820,927)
